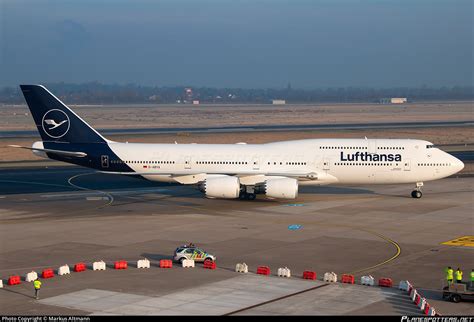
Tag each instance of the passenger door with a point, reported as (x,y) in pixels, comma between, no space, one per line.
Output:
(326,164)
(187,162)
(104,161)
(407,165)
(255,164)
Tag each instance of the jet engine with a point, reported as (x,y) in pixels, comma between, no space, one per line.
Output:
(284,188)
(221,187)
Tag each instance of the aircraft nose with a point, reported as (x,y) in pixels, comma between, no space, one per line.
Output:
(457,164)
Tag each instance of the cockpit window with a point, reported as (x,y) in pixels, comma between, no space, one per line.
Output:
(431,146)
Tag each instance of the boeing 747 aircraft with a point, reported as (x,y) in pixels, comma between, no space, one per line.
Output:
(240,170)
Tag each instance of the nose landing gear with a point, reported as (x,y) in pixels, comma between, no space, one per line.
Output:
(417,192)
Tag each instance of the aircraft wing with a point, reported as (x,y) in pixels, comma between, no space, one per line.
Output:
(59,152)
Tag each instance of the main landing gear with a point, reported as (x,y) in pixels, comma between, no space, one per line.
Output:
(417,194)
(247,196)
(247,193)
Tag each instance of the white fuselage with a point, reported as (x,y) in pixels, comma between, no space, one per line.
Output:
(314,161)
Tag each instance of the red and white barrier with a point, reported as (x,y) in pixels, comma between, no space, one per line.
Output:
(143,263)
(47,273)
(422,303)
(284,272)
(432,311)
(31,276)
(330,277)
(367,280)
(309,275)
(99,266)
(404,285)
(263,270)
(64,270)
(188,263)
(241,268)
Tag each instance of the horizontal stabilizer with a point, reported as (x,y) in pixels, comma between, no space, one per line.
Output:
(60,152)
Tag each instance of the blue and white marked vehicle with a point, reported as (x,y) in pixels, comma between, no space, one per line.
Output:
(275,170)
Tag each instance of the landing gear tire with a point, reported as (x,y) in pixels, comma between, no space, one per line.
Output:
(416,194)
(247,196)
(251,196)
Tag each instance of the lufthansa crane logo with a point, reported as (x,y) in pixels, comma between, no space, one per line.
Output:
(55,123)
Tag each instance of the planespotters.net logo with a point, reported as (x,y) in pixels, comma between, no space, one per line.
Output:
(55,123)
(437,319)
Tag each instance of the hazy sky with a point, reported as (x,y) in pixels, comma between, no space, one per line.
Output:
(232,43)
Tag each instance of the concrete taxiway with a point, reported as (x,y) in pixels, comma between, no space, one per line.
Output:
(60,215)
(261,128)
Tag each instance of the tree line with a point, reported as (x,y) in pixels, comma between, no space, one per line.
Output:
(97,93)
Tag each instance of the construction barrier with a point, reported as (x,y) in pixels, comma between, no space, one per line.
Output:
(31,276)
(63,270)
(367,280)
(166,263)
(347,278)
(121,264)
(14,280)
(209,264)
(417,299)
(284,272)
(47,273)
(143,263)
(309,275)
(187,263)
(404,285)
(431,311)
(385,282)
(422,304)
(241,268)
(79,267)
(330,277)
(427,308)
(263,270)
(99,266)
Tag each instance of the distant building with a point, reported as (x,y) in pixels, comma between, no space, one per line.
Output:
(195,102)
(394,100)
(188,94)
(278,102)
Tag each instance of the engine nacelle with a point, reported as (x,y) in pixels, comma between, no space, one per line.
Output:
(221,187)
(284,188)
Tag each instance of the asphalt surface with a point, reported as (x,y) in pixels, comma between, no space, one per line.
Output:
(260,128)
(60,215)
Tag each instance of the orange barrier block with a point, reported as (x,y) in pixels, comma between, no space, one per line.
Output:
(309,275)
(14,280)
(166,263)
(417,299)
(263,270)
(347,278)
(47,273)
(385,282)
(79,267)
(121,264)
(210,264)
(427,308)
